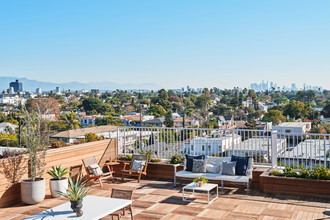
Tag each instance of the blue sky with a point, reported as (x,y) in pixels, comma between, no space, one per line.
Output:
(169,43)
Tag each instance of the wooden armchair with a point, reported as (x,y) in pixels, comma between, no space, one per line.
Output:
(122,194)
(94,171)
(130,170)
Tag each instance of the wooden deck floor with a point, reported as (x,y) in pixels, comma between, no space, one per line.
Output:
(154,199)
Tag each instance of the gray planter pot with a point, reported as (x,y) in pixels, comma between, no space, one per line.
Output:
(58,185)
(33,192)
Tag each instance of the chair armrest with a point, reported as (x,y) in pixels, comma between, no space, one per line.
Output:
(125,164)
(175,167)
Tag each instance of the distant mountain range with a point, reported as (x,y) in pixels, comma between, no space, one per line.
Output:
(32,85)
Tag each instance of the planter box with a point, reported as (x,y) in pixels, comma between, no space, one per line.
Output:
(154,170)
(295,186)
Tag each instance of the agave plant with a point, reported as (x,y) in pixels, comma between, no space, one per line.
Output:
(57,172)
(76,190)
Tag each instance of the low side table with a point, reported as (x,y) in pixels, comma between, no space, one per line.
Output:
(204,188)
(110,168)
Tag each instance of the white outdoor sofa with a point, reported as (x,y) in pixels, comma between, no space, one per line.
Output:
(216,176)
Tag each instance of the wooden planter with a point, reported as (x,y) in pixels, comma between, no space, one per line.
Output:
(154,170)
(294,186)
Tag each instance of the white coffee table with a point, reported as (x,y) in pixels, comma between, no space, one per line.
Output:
(94,207)
(204,188)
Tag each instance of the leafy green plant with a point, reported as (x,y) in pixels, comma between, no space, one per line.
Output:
(146,152)
(58,144)
(76,190)
(35,139)
(156,160)
(201,178)
(89,137)
(320,173)
(276,172)
(176,159)
(304,172)
(289,172)
(57,172)
(128,157)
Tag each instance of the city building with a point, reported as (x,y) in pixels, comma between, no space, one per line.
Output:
(258,147)
(58,91)
(293,127)
(211,144)
(17,86)
(38,91)
(12,99)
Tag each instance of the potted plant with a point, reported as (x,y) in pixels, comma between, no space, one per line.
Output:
(75,193)
(200,181)
(58,183)
(34,137)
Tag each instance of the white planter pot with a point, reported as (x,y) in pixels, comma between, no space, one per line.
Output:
(58,185)
(33,192)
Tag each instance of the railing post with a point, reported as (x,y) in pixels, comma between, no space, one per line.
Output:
(124,148)
(274,148)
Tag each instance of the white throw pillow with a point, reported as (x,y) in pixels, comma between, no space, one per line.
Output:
(212,168)
(137,165)
(96,170)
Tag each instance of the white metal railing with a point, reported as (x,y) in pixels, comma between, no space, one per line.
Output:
(265,146)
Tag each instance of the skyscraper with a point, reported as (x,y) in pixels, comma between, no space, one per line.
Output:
(18,86)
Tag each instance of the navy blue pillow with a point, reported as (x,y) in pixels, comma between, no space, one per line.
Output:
(241,165)
(189,161)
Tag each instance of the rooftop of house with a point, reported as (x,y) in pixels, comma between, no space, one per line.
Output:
(155,120)
(309,149)
(293,124)
(7,124)
(157,199)
(82,131)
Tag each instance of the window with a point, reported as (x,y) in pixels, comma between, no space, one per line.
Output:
(192,147)
(203,148)
(209,148)
(287,131)
(219,149)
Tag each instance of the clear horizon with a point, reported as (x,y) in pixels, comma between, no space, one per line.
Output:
(172,44)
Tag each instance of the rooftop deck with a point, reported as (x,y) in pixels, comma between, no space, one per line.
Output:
(157,199)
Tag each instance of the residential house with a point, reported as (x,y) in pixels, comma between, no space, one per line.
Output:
(156,122)
(6,127)
(70,136)
(178,122)
(225,122)
(293,127)
(86,121)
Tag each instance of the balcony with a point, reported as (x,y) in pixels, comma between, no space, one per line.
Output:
(156,198)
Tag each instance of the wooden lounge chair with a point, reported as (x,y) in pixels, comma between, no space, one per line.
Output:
(122,194)
(75,172)
(135,171)
(94,171)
